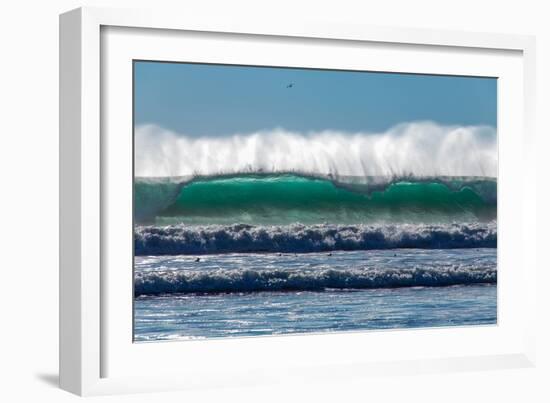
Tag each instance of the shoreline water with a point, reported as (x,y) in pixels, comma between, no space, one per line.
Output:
(184,317)
(244,312)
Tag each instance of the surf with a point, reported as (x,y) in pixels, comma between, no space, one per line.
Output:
(300,238)
(250,280)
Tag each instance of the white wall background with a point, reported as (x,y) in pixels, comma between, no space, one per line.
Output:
(29,209)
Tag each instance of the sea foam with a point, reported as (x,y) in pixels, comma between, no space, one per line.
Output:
(299,238)
(249,280)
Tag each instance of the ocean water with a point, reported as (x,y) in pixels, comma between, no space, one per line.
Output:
(184,316)
(265,254)
(178,297)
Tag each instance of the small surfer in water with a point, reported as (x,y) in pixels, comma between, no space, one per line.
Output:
(198,259)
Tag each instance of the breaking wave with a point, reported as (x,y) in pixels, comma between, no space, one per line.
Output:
(249,280)
(299,238)
(413,172)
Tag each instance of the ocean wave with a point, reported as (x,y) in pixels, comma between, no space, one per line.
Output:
(283,198)
(250,280)
(298,238)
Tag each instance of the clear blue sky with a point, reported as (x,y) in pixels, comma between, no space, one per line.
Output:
(200,99)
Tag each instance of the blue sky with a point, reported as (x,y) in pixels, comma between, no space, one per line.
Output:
(216,100)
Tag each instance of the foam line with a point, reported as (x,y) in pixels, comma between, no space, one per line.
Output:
(298,238)
(248,280)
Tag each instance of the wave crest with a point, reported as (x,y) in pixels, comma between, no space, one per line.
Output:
(166,282)
(298,238)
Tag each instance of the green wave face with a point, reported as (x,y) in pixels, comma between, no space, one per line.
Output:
(285,199)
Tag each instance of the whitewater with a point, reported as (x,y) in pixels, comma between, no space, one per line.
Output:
(299,238)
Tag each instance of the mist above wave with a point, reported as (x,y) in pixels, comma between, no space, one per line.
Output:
(409,149)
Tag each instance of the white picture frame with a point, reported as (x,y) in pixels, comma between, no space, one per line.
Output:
(96,354)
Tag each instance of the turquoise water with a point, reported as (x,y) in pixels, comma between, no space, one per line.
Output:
(280,199)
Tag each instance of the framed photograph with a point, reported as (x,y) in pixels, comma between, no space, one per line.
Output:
(244,203)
